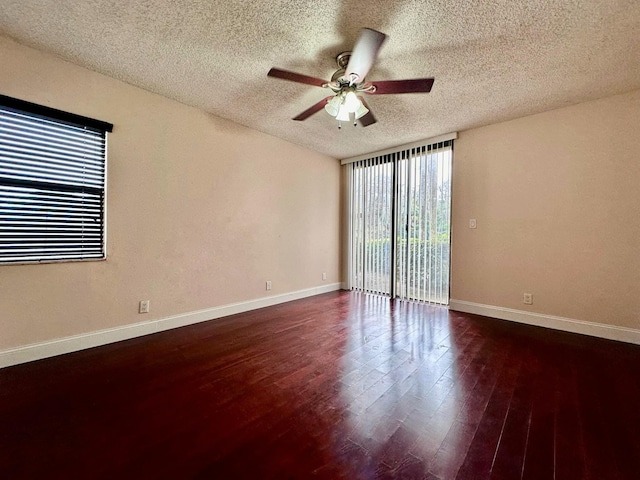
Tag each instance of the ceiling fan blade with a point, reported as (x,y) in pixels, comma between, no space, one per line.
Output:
(416,85)
(364,54)
(296,77)
(314,109)
(367,119)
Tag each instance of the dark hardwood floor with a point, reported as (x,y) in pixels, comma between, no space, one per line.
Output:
(338,386)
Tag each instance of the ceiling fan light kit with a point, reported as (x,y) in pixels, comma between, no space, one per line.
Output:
(349,81)
(346,106)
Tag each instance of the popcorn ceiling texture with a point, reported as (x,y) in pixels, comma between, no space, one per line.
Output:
(492,60)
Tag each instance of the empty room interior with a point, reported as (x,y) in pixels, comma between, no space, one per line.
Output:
(337,240)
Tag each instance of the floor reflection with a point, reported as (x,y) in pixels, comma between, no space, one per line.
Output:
(400,376)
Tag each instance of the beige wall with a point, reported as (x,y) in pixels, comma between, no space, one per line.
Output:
(201,211)
(557,201)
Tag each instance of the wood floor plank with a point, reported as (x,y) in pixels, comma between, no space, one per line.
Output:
(539,455)
(338,386)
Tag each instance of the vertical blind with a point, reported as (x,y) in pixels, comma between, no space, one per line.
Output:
(400,222)
(424,217)
(372,226)
(52,184)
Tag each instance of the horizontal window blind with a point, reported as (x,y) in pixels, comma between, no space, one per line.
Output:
(52,184)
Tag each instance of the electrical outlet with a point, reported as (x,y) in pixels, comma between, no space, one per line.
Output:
(268,284)
(144,307)
(473,223)
(324,275)
(528,299)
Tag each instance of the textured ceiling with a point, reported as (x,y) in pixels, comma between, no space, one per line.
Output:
(492,60)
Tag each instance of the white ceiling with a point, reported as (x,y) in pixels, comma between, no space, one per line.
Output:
(492,59)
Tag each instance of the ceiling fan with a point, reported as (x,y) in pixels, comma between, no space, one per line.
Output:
(348,82)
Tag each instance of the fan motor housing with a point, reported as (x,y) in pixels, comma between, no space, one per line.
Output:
(342,60)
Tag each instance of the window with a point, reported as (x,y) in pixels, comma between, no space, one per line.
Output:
(52,184)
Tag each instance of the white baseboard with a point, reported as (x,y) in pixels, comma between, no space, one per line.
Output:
(37,351)
(610,332)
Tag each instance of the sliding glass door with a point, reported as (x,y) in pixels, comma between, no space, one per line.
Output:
(400,223)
